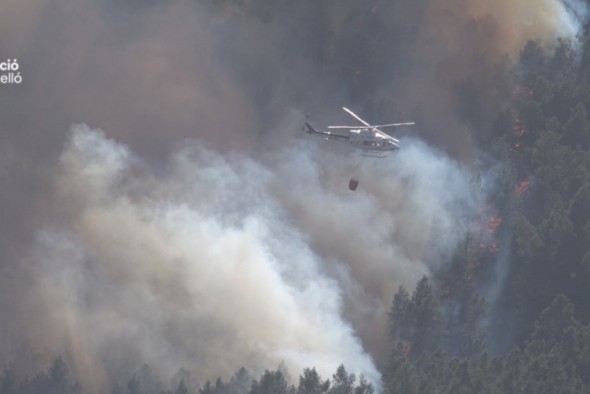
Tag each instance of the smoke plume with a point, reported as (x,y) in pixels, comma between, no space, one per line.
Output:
(201,229)
(212,264)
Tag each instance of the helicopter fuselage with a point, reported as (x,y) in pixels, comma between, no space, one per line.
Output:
(369,140)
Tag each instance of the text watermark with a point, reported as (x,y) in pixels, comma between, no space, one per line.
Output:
(9,72)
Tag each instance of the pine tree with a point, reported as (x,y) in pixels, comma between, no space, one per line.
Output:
(426,318)
(271,382)
(342,382)
(400,319)
(311,383)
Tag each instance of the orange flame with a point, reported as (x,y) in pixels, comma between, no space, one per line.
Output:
(523,187)
(493,224)
(519,130)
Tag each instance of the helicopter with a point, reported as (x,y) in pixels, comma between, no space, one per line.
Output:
(368,138)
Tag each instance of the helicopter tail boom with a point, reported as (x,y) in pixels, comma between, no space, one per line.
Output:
(326,134)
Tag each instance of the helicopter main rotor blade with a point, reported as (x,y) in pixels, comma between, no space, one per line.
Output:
(375,126)
(395,124)
(356,117)
(348,127)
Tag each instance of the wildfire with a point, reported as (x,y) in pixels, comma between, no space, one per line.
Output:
(493,247)
(489,221)
(519,130)
(482,247)
(493,225)
(523,187)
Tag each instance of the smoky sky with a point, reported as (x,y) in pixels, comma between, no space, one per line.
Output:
(160,204)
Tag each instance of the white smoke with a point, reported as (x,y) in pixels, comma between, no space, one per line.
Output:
(574,16)
(221,261)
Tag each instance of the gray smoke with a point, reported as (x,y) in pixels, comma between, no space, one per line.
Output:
(225,260)
(201,229)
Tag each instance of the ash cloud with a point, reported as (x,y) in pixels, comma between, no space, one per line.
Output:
(214,264)
(199,268)
(454,60)
(200,199)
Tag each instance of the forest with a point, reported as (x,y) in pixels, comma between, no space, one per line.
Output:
(509,312)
